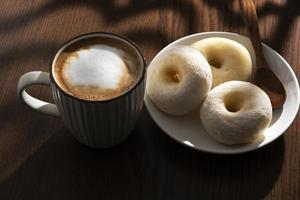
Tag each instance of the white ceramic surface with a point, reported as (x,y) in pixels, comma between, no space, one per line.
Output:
(187,129)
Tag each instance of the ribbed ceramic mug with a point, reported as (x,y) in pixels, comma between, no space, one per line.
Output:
(103,123)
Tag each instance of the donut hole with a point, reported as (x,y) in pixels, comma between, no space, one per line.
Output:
(215,62)
(234,101)
(172,75)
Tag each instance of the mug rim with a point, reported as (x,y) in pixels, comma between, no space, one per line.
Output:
(84,35)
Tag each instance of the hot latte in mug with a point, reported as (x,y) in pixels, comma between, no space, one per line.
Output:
(98,84)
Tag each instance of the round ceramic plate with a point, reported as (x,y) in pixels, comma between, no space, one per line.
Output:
(188,130)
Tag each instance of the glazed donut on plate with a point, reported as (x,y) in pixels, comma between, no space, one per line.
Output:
(229,60)
(236,112)
(178,80)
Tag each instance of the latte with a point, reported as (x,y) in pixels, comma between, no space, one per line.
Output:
(96,69)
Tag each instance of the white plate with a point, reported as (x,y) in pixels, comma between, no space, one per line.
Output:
(187,129)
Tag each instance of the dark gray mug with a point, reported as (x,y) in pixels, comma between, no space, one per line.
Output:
(103,123)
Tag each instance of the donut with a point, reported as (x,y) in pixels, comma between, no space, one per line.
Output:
(229,60)
(178,80)
(236,112)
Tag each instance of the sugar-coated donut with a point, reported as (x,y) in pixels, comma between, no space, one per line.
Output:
(236,112)
(178,80)
(229,60)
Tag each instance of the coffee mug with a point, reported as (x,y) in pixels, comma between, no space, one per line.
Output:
(95,123)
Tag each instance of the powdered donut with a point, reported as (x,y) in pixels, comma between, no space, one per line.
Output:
(236,112)
(228,59)
(179,80)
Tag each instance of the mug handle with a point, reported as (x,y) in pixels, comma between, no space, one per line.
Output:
(36,78)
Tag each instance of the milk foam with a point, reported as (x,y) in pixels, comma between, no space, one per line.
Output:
(99,66)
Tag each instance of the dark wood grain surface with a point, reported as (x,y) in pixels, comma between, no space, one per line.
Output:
(39,159)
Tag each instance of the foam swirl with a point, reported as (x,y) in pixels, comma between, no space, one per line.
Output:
(97,66)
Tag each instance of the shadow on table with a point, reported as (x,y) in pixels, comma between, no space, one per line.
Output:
(147,165)
(22,132)
(190,174)
(112,10)
(145,38)
(287,13)
(62,168)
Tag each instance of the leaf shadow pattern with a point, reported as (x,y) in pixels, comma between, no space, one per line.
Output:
(146,37)
(108,9)
(113,13)
(286,13)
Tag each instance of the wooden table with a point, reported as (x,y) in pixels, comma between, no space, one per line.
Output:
(39,159)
